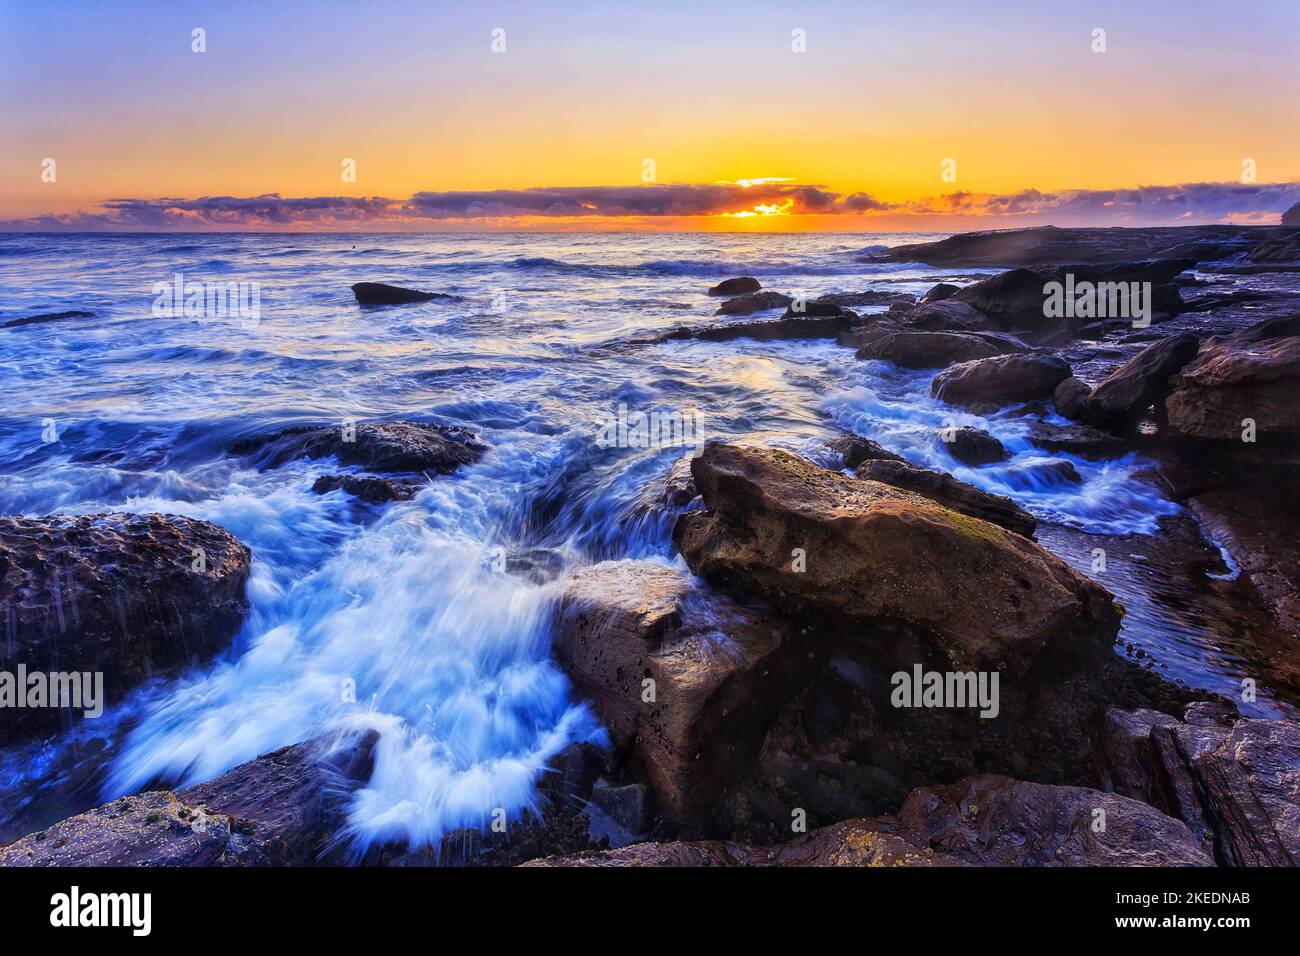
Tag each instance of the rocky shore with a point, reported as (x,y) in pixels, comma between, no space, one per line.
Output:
(752,697)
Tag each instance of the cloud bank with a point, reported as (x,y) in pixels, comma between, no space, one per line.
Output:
(1188,203)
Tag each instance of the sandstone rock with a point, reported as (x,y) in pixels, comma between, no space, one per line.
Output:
(1231,381)
(738,286)
(754,302)
(379,293)
(973,446)
(1071,398)
(395,447)
(1011,300)
(817,308)
(871,297)
(718,670)
(280,809)
(854,450)
(881,557)
(123,594)
(1141,381)
(766,330)
(951,493)
(1000,380)
(947,315)
(926,349)
(1234,781)
(1082,440)
(996,821)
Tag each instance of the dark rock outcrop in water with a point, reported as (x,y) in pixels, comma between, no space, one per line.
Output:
(951,493)
(379,293)
(1001,380)
(854,450)
(1233,781)
(685,681)
(367,487)
(878,556)
(983,820)
(973,446)
(123,594)
(1051,245)
(281,809)
(401,447)
(785,328)
(947,315)
(737,286)
(46,317)
(753,302)
(1292,216)
(1141,381)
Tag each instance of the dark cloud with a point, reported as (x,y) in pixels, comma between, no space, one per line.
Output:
(1189,202)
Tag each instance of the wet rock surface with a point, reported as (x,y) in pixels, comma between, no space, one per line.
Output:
(400,447)
(1001,380)
(995,599)
(754,302)
(972,446)
(926,349)
(741,285)
(125,595)
(380,293)
(280,809)
(951,493)
(46,317)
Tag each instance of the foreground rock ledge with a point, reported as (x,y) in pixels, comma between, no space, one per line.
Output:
(280,809)
(719,671)
(982,821)
(880,557)
(123,594)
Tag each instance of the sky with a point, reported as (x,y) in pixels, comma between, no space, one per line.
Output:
(789,116)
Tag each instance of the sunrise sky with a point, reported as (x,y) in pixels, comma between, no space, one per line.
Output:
(554,131)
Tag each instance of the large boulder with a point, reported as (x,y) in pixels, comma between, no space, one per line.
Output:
(1141,381)
(1010,300)
(741,285)
(1237,379)
(951,493)
(394,447)
(281,809)
(684,680)
(1292,216)
(877,557)
(926,349)
(1071,398)
(1000,380)
(983,820)
(854,450)
(125,595)
(1234,781)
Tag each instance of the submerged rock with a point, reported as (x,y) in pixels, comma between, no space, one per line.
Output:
(367,487)
(1233,781)
(402,447)
(951,493)
(125,595)
(683,679)
(972,446)
(1141,381)
(281,809)
(784,328)
(1001,380)
(947,315)
(46,317)
(738,286)
(379,293)
(877,556)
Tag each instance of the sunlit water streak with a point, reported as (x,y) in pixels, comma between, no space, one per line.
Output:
(449,655)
